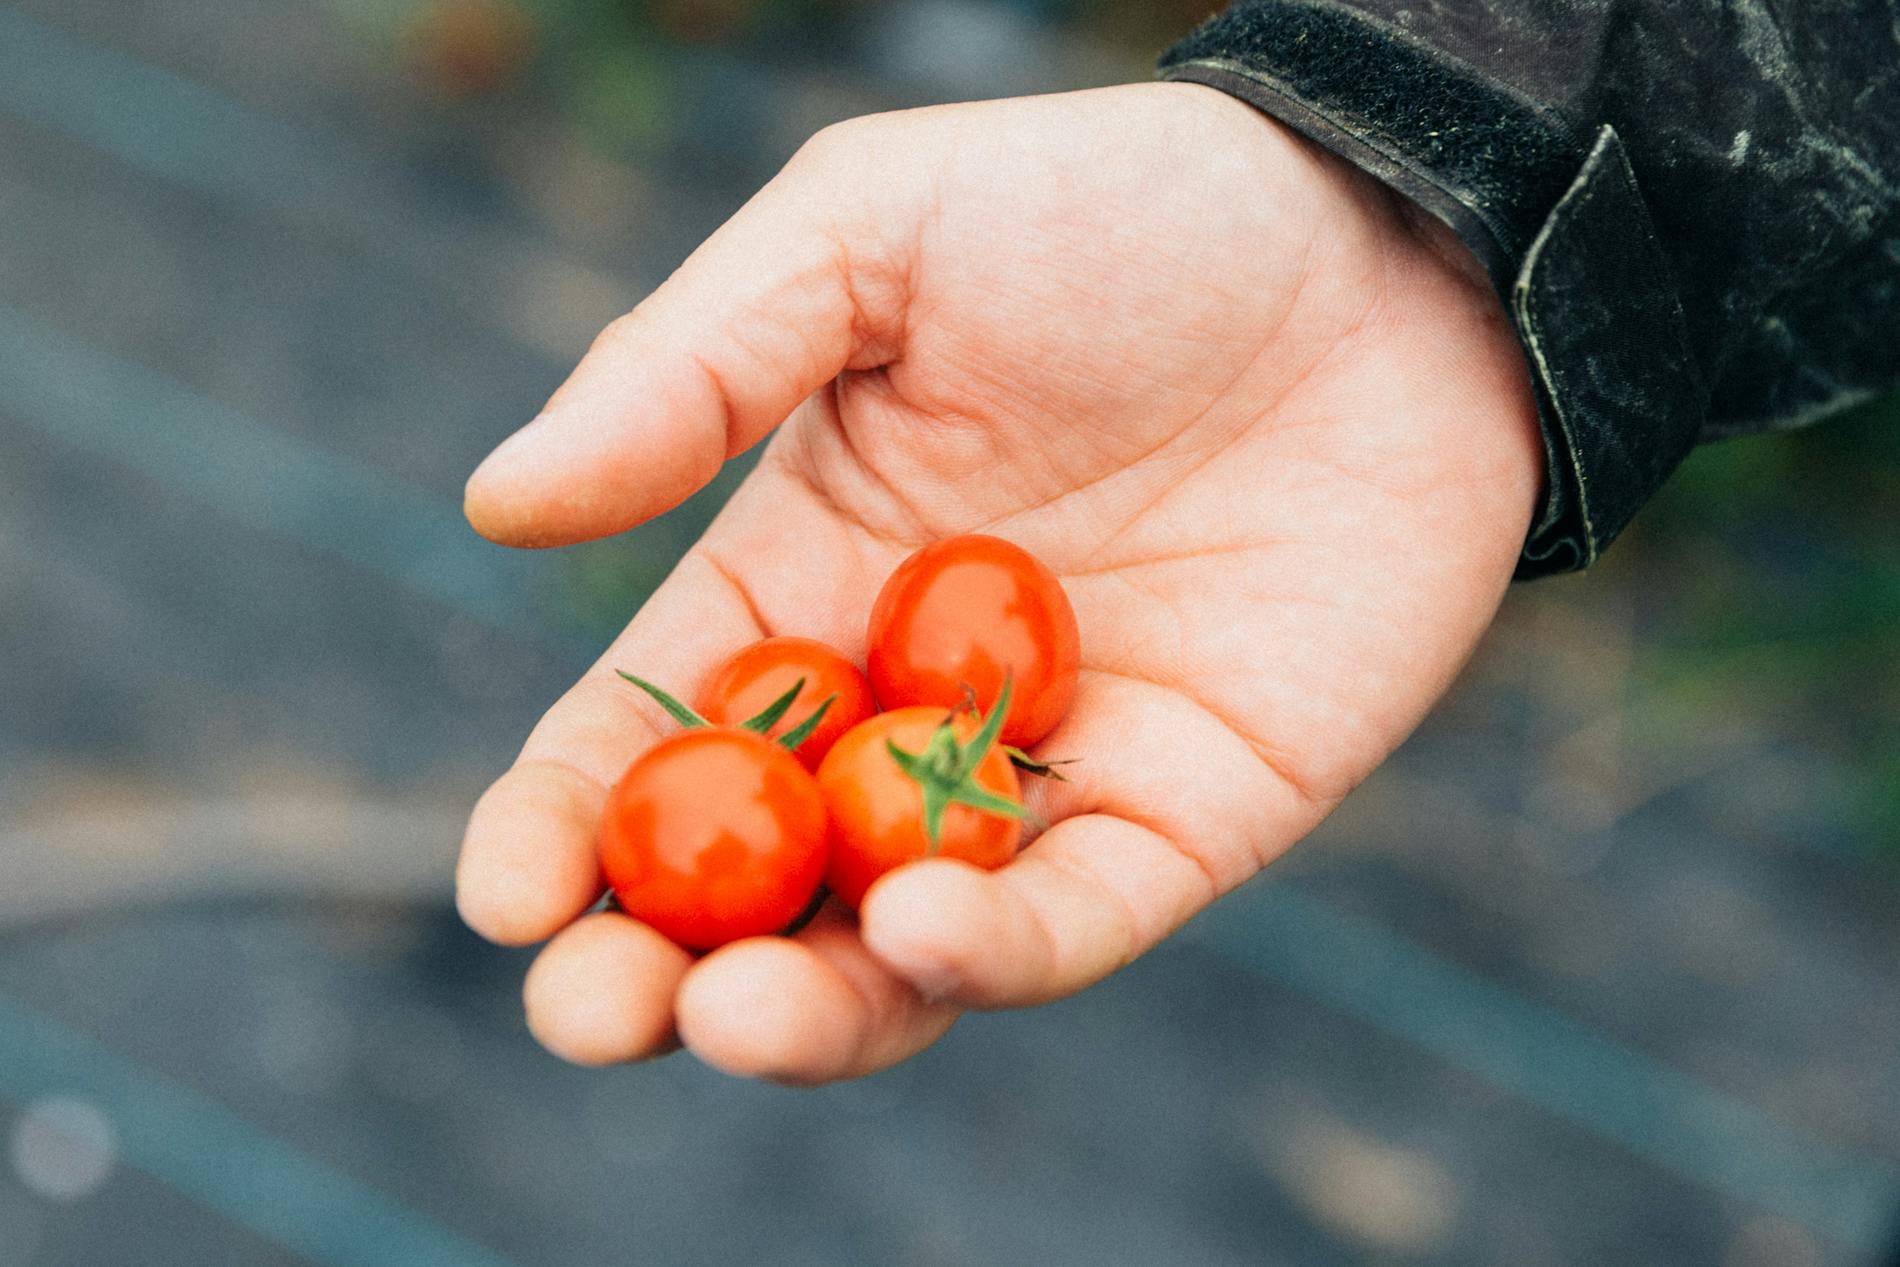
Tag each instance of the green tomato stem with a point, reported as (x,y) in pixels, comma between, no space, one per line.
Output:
(768,717)
(945,771)
(803,731)
(679,712)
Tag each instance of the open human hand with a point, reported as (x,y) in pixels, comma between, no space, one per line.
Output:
(1269,426)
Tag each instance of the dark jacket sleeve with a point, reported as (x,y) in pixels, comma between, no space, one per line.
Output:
(1691,208)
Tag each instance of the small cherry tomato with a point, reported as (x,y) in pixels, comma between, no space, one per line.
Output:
(743,686)
(877,808)
(971,611)
(714,834)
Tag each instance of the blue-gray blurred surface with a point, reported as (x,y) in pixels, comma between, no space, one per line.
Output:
(1600,969)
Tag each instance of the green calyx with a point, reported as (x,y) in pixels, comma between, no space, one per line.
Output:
(767,718)
(945,771)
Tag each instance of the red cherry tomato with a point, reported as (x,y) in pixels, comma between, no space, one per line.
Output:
(968,611)
(743,686)
(713,835)
(877,810)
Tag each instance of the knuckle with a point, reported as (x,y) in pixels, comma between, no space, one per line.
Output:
(620,332)
(829,141)
(837,145)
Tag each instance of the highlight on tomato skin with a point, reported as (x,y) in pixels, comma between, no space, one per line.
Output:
(714,834)
(876,810)
(972,611)
(759,673)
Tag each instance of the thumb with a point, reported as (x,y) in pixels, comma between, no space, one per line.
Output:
(792,290)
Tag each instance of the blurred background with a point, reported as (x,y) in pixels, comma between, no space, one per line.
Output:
(1601,968)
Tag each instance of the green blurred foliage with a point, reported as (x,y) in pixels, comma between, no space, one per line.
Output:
(622,68)
(618,96)
(1779,562)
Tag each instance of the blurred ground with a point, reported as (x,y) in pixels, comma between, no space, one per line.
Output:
(1600,969)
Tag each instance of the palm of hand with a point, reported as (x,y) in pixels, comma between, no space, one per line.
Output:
(1277,445)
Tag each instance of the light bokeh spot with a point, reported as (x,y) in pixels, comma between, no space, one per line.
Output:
(63,1148)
